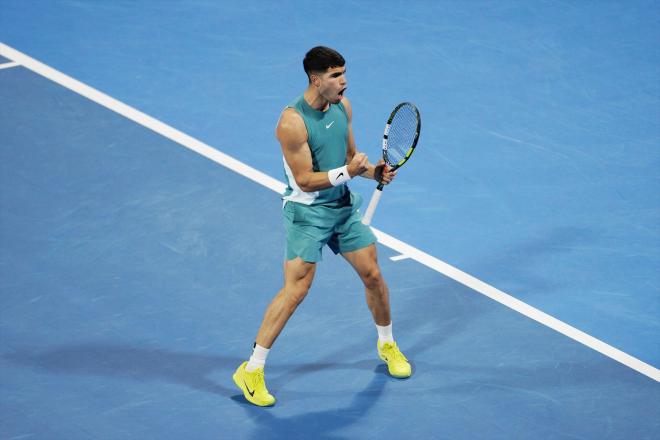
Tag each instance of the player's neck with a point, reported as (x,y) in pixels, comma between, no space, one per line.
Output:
(315,100)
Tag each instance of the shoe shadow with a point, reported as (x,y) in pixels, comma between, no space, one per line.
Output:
(326,363)
(318,425)
(139,364)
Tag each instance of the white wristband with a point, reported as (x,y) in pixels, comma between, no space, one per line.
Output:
(339,175)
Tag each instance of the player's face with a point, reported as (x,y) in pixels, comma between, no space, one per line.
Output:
(333,84)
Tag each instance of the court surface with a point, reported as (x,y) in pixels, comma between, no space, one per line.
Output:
(134,271)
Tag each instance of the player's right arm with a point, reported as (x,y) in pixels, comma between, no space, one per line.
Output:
(292,134)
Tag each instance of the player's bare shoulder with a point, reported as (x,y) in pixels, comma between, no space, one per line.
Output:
(291,128)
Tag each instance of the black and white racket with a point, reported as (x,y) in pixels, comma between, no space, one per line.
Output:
(399,141)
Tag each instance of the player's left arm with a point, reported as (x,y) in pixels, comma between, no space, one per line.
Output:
(374,172)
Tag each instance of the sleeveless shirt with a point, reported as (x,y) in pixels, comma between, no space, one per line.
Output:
(327,138)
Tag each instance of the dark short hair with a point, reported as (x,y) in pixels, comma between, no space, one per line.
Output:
(320,58)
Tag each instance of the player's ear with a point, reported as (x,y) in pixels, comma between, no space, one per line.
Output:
(315,79)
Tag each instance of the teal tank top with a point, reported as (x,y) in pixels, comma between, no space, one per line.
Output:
(327,134)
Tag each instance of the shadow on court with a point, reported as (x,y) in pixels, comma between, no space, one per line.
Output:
(444,309)
(139,364)
(320,425)
(194,371)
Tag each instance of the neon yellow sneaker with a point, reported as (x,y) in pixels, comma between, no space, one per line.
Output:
(397,364)
(253,385)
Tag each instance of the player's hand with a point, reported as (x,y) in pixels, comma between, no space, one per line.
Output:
(383,173)
(359,164)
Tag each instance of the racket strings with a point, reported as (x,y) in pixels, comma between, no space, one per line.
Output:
(401,135)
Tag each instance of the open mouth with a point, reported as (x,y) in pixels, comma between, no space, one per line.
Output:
(341,92)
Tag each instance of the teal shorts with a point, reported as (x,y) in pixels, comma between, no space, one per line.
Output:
(310,227)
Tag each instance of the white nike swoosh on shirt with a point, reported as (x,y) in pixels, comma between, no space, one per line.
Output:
(329,125)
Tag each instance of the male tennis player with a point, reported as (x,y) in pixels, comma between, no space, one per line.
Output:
(320,157)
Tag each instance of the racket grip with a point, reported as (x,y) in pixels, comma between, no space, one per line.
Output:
(369,214)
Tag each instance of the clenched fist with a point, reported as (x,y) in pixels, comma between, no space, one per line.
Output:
(359,164)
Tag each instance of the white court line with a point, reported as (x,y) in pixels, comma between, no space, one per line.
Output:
(277,186)
(9,64)
(399,257)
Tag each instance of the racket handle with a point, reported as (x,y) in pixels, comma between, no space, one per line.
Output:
(369,214)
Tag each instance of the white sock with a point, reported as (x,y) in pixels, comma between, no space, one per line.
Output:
(385,333)
(258,358)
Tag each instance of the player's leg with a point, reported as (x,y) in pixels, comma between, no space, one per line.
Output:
(298,277)
(249,376)
(365,263)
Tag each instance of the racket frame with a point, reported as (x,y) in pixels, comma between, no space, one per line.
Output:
(411,149)
(375,198)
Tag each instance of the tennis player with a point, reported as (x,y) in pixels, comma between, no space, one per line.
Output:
(320,157)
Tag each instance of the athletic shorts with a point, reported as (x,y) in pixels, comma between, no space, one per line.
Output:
(310,227)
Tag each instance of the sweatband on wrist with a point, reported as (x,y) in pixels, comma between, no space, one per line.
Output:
(339,175)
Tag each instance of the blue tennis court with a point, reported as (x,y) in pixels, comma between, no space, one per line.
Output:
(521,244)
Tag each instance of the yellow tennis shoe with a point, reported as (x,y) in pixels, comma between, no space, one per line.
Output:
(397,364)
(253,385)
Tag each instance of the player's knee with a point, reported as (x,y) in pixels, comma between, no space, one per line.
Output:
(372,278)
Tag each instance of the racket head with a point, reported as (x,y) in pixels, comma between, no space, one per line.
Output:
(401,134)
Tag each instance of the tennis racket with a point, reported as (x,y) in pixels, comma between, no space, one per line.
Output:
(399,141)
